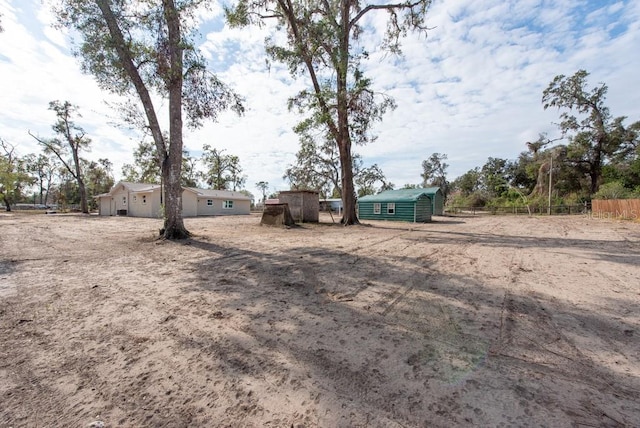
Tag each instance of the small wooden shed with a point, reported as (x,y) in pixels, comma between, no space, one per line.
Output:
(412,205)
(303,204)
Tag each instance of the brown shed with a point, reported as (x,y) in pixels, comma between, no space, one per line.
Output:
(303,204)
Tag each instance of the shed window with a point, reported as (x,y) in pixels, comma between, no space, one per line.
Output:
(391,208)
(376,208)
(144,199)
(228,205)
(210,202)
(124,200)
(135,199)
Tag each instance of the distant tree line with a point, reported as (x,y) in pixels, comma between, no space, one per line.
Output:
(317,167)
(61,175)
(215,169)
(599,159)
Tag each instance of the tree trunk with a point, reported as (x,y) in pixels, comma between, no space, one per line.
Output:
(594,175)
(82,189)
(542,182)
(595,167)
(7,204)
(349,216)
(41,190)
(84,206)
(173,223)
(170,160)
(46,194)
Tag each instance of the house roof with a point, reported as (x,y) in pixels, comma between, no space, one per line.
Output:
(400,195)
(201,193)
(218,194)
(132,187)
(315,192)
(140,187)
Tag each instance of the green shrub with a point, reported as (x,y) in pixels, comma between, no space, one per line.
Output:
(613,190)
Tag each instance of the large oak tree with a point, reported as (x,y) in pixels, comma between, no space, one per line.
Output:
(322,42)
(595,136)
(142,48)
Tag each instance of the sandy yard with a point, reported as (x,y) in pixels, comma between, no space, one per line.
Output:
(466,321)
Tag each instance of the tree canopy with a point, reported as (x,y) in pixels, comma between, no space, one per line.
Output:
(595,136)
(13,174)
(322,41)
(222,171)
(66,146)
(144,48)
(434,172)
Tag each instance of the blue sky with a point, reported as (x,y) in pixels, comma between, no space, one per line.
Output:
(471,89)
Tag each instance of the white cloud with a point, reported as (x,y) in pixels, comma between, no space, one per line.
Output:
(36,70)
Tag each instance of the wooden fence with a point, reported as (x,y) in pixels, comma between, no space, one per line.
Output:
(519,210)
(616,208)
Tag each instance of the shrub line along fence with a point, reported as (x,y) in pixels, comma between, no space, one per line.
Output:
(616,208)
(523,209)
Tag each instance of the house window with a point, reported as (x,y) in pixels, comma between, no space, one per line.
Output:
(376,208)
(391,208)
(228,205)
(210,202)
(135,199)
(144,199)
(124,200)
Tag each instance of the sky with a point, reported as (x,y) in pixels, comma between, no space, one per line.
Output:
(470,89)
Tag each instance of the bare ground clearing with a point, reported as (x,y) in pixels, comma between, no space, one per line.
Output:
(476,321)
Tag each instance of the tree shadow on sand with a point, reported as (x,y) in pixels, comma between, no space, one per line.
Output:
(380,341)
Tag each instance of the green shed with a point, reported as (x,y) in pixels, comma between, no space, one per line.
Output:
(437,199)
(412,205)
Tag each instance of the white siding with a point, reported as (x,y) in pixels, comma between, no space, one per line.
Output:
(189,204)
(239,206)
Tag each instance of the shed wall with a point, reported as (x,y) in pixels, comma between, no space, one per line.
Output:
(304,206)
(411,211)
(437,204)
(423,210)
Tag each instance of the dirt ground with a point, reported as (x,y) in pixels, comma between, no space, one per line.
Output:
(466,321)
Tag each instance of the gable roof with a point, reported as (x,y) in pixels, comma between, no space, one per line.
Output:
(400,195)
(139,187)
(431,190)
(201,193)
(132,187)
(218,194)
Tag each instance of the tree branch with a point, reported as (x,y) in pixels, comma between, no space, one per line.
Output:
(382,7)
(56,152)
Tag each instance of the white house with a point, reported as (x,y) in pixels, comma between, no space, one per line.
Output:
(145,200)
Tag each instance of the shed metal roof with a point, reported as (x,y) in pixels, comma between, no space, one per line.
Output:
(399,195)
